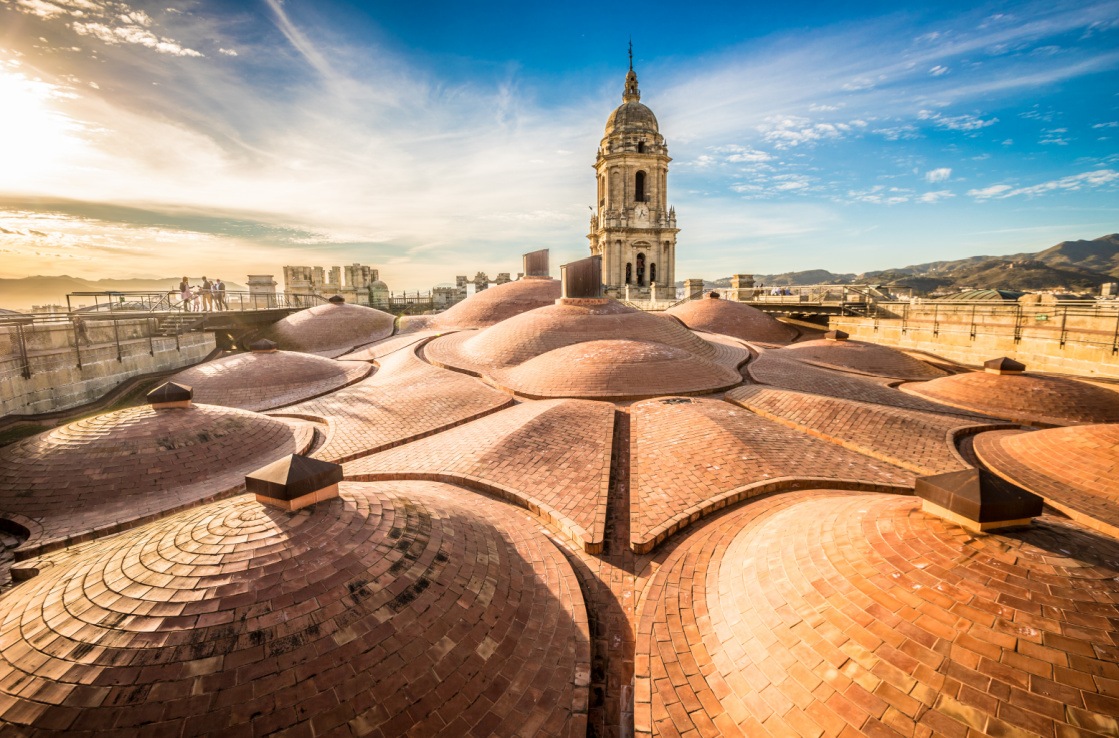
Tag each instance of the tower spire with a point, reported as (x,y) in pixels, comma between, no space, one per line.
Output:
(631,93)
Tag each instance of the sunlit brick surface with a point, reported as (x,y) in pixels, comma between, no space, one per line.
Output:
(96,476)
(1075,469)
(495,304)
(618,369)
(264,380)
(405,399)
(921,442)
(553,457)
(773,368)
(858,356)
(545,329)
(403,607)
(331,330)
(1027,398)
(690,457)
(845,614)
(387,346)
(732,319)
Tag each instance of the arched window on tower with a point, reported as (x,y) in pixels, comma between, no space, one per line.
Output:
(641,147)
(639,187)
(629,272)
(652,273)
(641,270)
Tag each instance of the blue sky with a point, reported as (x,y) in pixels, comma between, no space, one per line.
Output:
(149,139)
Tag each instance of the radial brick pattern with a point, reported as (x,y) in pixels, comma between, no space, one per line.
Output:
(866,358)
(553,457)
(264,380)
(691,457)
(545,329)
(618,369)
(921,442)
(331,330)
(405,399)
(1026,398)
(773,368)
(406,607)
(831,614)
(1075,469)
(732,319)
(493,305)
(99,475)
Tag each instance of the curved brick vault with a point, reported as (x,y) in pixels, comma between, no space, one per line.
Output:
(331,329)
(399,608)
(734,319)
(862,357)
(262,380)
(498,303)
(836,614)
(99,475)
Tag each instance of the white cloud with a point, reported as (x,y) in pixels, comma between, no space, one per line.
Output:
(133,35)
(110,21)
(1072,183)
(788,131)
(938,175)
(228,52)
(736,154)
(1109,124)
(935,196)
(965,122)
(938,70)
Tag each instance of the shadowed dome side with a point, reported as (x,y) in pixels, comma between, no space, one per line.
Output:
(615,369)
(262,381)
(1073,469)
(498,303)
(352,616)
(96,474)
(1025,398)
(331,329)
(732,319)
(528,335)
(857,614)
(859,356)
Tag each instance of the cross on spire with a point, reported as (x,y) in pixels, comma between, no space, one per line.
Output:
(631,53)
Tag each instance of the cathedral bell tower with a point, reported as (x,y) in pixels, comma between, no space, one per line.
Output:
(633,229)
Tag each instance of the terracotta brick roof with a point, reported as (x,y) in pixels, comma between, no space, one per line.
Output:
(495,304)
(844,614)
(1025,398)
(1075,469)
(400,608)
(732,319)
(101,474)
(858,356)
(261,381)
(331,330)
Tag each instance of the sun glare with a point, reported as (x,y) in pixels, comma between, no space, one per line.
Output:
(34,136)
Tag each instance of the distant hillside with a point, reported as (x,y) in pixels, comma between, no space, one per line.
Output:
(1077,266)
(21,294)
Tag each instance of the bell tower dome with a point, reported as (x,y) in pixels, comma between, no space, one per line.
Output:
(633,228)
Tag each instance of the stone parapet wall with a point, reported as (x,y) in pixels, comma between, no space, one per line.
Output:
(1045,339)
(56,381)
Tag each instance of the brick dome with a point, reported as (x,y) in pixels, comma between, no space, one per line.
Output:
(732,319)
(1075,469)
(828,614)
(100,473)
(400,608)
(859,356)
(331,329)
(262,381)
(1025,398)
(495,304)
(616,369)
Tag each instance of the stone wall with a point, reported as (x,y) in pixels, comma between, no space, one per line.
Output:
(1076,340)
(56,382)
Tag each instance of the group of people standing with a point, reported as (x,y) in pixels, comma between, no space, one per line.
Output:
(206,296)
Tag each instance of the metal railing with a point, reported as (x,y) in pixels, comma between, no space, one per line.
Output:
(171,301)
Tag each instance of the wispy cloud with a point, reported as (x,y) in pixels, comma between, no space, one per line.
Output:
(941,174)
(1072,183)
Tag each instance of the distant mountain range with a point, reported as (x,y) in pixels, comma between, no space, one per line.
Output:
(1075,266)
(21,294)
